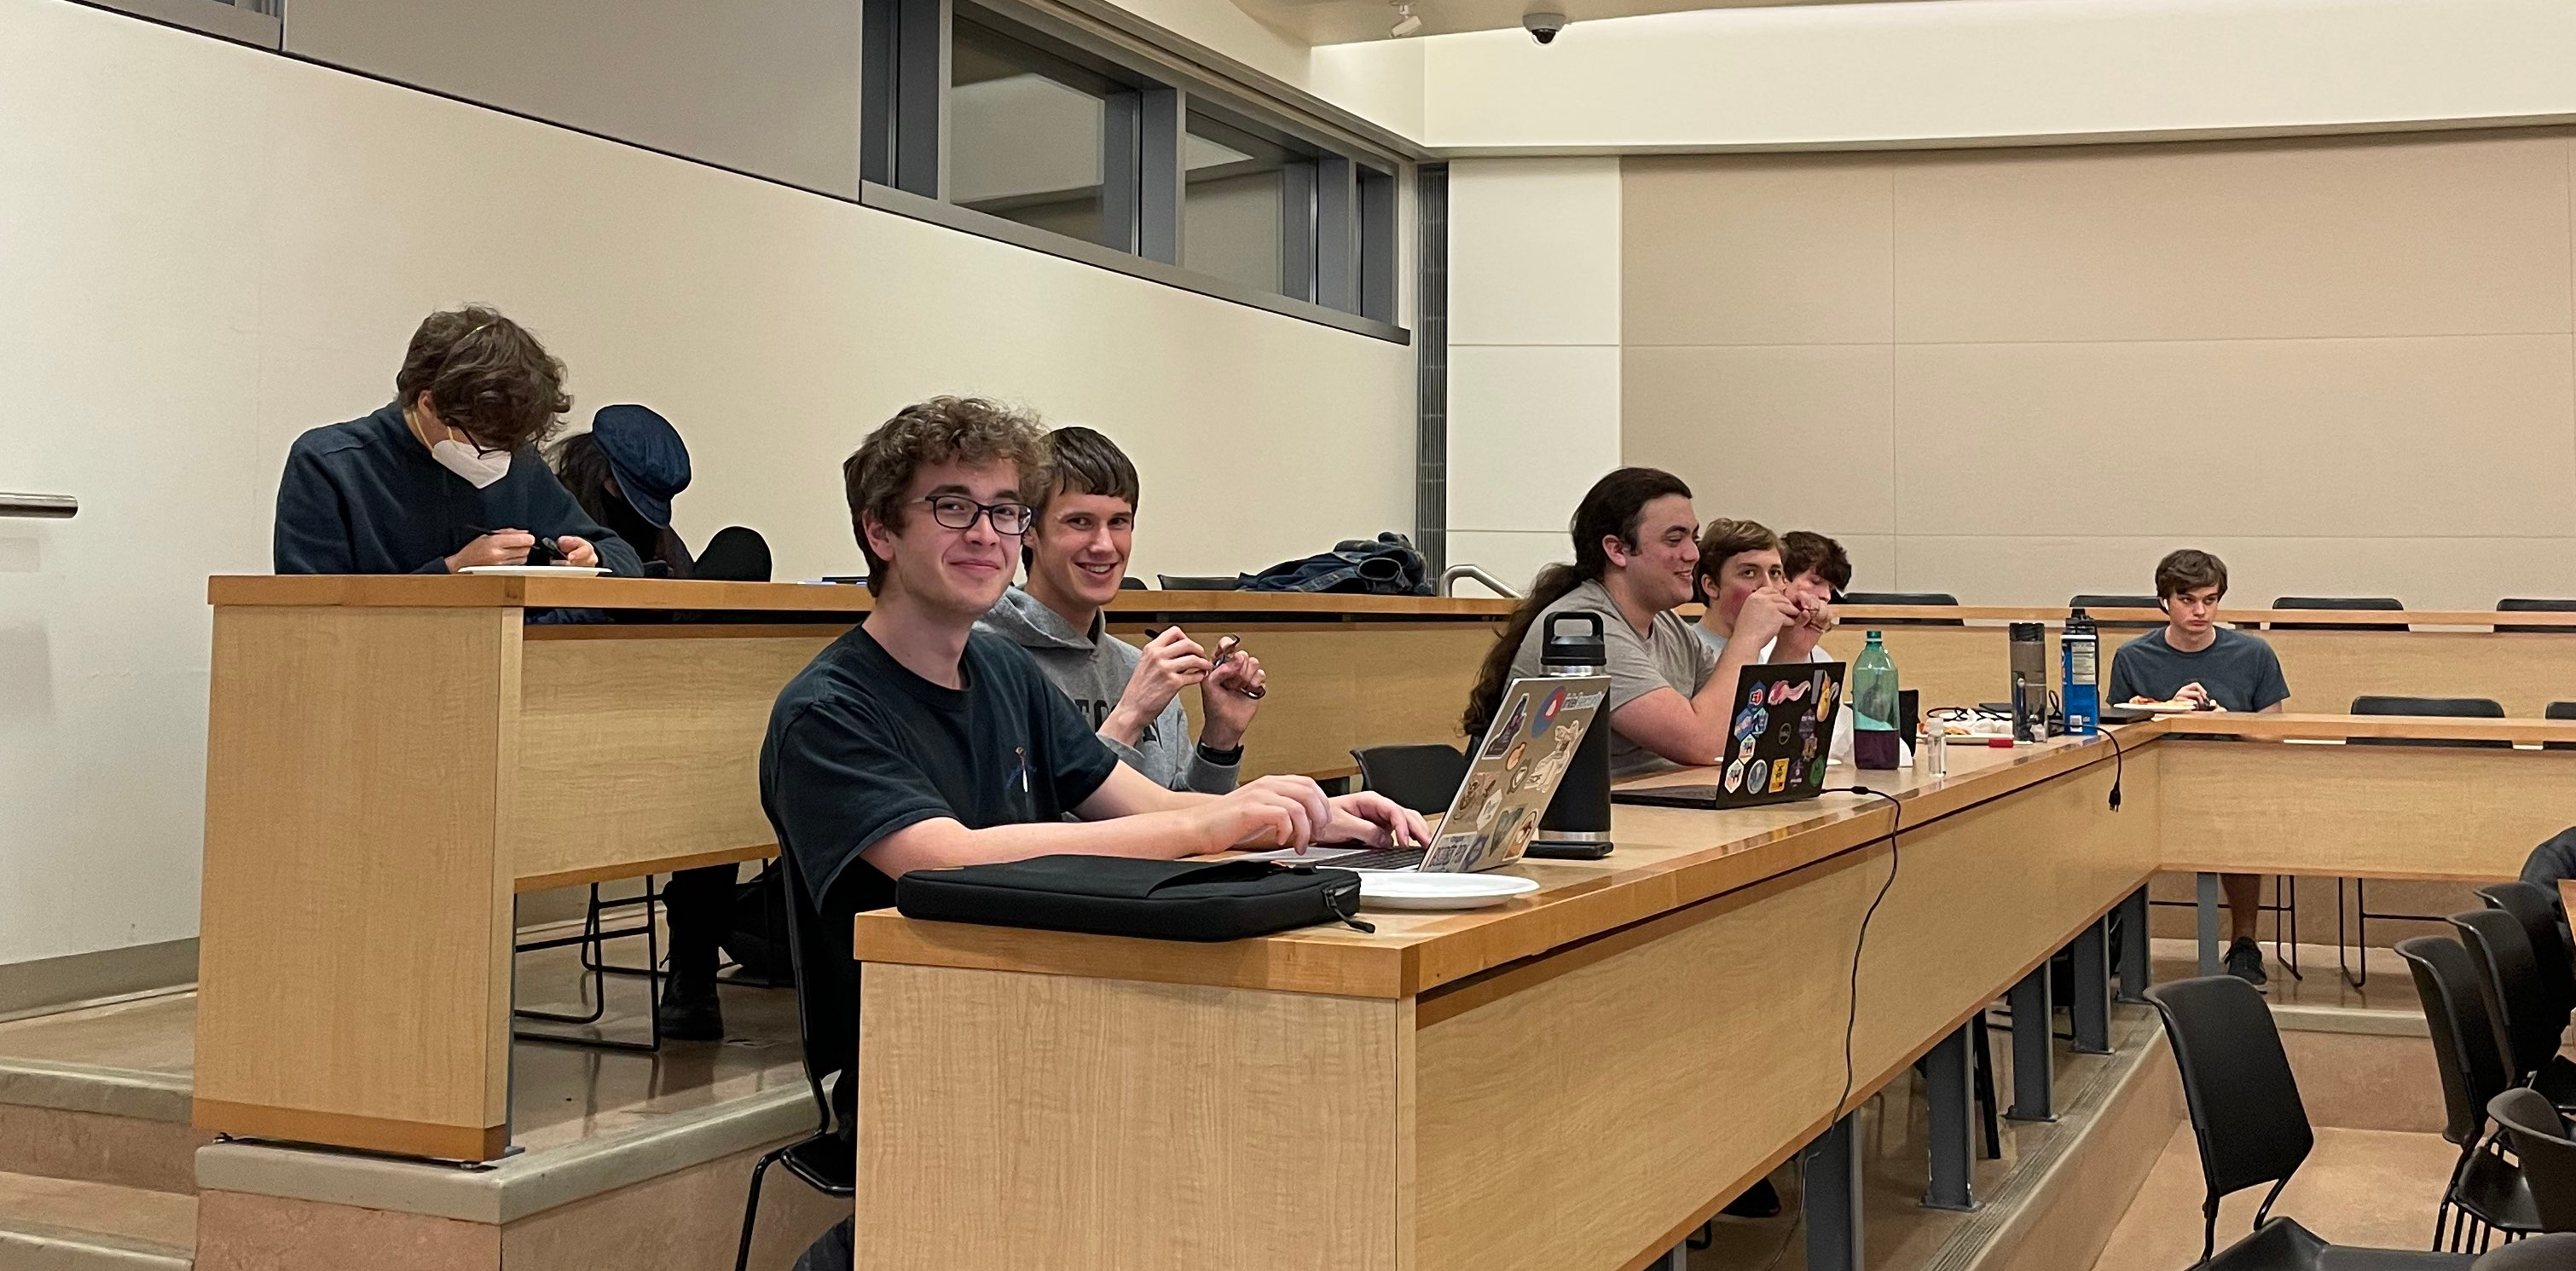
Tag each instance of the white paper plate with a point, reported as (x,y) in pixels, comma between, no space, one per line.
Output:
(536,571)
(1408,889)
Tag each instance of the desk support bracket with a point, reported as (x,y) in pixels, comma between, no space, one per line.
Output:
(2034,1050)
(2091,1005)
(1831,1197)
(1949,1073)
(2135,971)
(2207,906)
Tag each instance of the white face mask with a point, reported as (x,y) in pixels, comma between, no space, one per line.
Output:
(464,461)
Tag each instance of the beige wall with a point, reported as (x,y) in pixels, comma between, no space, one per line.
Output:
(210,249)
(2017,375)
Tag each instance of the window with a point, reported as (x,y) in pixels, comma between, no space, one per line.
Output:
(1017,124)
(252,22)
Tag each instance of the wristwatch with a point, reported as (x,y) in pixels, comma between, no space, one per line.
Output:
(1221,758)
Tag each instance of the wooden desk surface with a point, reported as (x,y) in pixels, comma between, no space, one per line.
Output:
(408,591)
(2054,616)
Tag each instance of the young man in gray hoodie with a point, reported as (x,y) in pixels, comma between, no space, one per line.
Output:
(1076,552)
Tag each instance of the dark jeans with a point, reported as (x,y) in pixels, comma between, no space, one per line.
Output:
(699,905)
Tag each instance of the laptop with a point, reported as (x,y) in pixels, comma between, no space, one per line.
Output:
(1776,745)
(1512,774)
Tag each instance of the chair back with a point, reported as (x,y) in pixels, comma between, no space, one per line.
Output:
(2540,1140)
(2537,1253)
(1199,582)
(2558,710)
(2464,1039)
(2244,1101)
(2375,603)
(1131,583)
(818,985)
(2446,707)
(1424,778)
(2525,604)
(2537,911)
(737,554)
(2510,982)
(2094,604)
(1926,599)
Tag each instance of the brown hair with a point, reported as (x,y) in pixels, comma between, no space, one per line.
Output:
(2189,570)
(1804,550)
(1080,460)
(1723,538)
(967,430)
(486,377)
(1611,508)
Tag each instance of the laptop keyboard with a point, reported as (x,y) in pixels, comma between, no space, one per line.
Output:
(1380,858)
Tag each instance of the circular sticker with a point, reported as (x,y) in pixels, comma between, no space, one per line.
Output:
(1547,713)
(1816,772)
(1734,775)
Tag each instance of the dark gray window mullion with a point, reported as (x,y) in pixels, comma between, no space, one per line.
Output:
(1164,187)
(878,73)
(921,97)
(1377,246)
(1337,234)
(1121,180)
(1297,231)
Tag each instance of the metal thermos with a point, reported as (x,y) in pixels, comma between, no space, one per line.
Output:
(1580,812)
(2029,681)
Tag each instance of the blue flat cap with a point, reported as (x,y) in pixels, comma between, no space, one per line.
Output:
(646,456)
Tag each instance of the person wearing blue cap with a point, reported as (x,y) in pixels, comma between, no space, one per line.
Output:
(624,472)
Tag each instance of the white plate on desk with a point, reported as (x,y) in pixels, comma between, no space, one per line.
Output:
(535,571)
(1407,889)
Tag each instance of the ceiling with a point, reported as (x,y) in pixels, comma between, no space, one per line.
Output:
(1349,21)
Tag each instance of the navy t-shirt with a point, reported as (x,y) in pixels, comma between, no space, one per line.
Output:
(364,497)
(860,747)
(2240,671)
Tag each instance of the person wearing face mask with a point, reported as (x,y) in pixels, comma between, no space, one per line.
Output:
(447,475)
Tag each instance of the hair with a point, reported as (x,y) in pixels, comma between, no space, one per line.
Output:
(2189,570)
(1610,509)
(969,430)
(1727,537)
(1805,550)
(1080,460)
(486,377)
(582,466)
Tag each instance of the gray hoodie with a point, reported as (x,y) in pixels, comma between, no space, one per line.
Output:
(1093,670)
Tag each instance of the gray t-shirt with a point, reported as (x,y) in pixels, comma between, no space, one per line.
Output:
(1668,656)
(2240,671)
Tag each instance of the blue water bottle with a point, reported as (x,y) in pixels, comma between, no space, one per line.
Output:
(2081,650)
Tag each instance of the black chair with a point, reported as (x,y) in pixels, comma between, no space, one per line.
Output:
(2094,604)
(2484,1188)
(1131,583)
(2540,1253)
(2376,603)
(2252,1128)
(735,554)
(2509,980)
(1926,599)
(2446,707)
(2515,604)
(1423,778)
(2537,910)
(1199,582)
(2540,1136)
(825,1160)
(2559,710)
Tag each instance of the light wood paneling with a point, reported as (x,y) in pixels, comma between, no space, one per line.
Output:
(1339,686)
(480,591)
(1759,421)
(1769,251)
(1098,1125)
(2376,811)
(354,946)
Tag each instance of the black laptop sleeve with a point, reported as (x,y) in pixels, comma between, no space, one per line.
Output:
(1120,896)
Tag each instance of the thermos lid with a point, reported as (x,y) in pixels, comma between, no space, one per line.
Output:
(1582,648)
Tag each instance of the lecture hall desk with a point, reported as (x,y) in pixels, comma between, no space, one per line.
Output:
(1575,1081)
(391,759)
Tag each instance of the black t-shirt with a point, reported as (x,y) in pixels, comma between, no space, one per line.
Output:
(860,747)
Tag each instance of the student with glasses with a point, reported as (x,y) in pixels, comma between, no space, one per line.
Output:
(447,475)
(1076,551)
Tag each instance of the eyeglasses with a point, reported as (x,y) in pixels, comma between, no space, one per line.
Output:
(957,512)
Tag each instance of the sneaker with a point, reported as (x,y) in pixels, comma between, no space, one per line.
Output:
(2245,962)
(1761,1200)
(690,1011)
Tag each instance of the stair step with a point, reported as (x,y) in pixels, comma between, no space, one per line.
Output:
(55,1224)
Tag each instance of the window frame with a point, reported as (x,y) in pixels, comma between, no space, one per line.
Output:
(257,23)
(1342,207)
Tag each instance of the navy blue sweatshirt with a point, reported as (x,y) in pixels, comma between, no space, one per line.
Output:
(364,497)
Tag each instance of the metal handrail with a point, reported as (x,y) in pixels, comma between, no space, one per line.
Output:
(39,505)
(1455,572)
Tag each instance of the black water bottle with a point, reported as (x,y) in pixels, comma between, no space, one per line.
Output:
(1577,823)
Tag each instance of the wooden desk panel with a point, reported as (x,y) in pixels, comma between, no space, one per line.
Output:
(2371,811)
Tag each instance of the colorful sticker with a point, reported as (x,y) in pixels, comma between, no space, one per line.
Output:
(1761,722)
(1744,720)
(1754,698)
(1779,775)
(1513,760)
(1547,713)
(1798,691)
(1816,773)
(1734,775)
(1779,692)
(1807,748)
(1744,752)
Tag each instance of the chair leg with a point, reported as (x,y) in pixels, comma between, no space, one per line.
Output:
(1985,1078)
(751,1210)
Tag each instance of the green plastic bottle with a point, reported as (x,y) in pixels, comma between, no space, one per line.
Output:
(1873,704)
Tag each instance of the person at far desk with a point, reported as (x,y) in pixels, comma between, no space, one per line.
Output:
(1076,552)
(447,475)
(2193,659)
(916,742)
